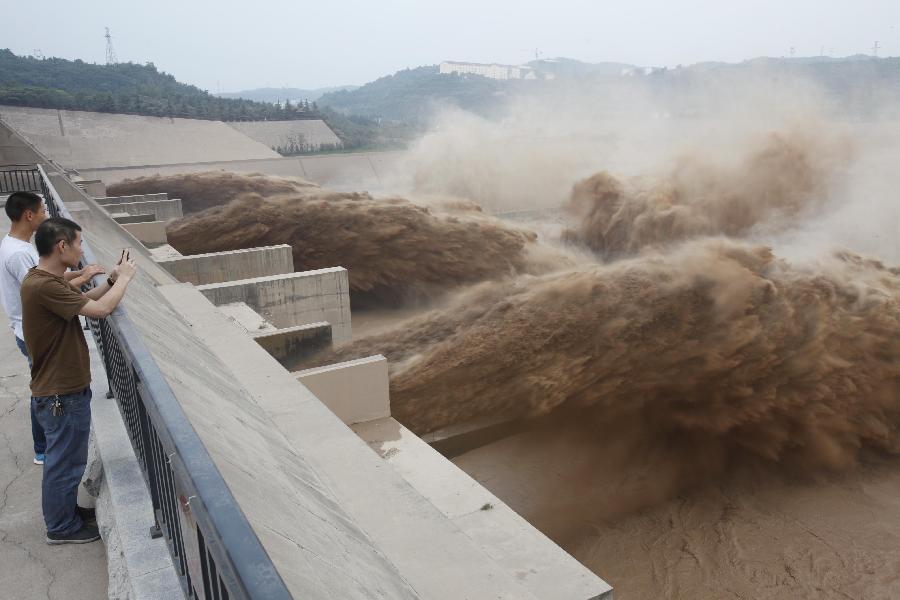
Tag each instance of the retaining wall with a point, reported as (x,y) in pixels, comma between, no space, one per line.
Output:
(292,299)
(218,267)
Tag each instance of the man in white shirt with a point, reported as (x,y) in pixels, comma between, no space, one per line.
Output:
(26,211)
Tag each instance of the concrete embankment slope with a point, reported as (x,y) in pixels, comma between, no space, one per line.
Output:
(274,134)
(352,170)
(80,140)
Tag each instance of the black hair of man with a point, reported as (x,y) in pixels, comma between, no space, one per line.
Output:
(51,231)
(19,202)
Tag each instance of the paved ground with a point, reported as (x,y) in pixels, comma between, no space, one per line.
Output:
(29,568)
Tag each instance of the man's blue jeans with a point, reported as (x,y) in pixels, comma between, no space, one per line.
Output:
(37,432)
(67,450)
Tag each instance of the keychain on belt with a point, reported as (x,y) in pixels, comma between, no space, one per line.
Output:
(56,407)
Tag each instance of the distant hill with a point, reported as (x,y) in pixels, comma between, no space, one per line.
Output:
(268,94)
(568,68)
(412,94)
(121,88)
(858,85)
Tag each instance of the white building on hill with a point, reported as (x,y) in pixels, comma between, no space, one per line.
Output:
(491,71)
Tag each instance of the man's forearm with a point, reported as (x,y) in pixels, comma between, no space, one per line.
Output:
(71,276)
(80,280)
(95,293)
(111,297)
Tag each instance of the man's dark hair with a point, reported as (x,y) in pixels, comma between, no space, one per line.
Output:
(51,231)
(19,202)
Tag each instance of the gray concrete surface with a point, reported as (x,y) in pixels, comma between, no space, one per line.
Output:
(356,391)
(291,345)
(313,132)
(293,299)
(152,233)
(165,210)
(81,140)
(431,554)
(356,170)
(29,568)
(217,267)
(539,564)
(123,218)
(93,187)
(252,322)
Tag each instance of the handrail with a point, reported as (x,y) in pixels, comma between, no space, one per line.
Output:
(19,178)
(213,546)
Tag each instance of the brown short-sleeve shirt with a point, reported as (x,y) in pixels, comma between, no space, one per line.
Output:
(53,335)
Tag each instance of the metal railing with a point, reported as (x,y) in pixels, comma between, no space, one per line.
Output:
(215,550)
(20,178)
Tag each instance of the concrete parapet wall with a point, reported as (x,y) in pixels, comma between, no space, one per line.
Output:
(151,234)
(290,346)
(128,199)
(165,210)
(218,267)
(293,299)
(356,391)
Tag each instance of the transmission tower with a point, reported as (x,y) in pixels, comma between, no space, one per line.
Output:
(875,49)
(110,52)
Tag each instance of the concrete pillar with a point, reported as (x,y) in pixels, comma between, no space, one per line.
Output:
(149,234)
(356,391)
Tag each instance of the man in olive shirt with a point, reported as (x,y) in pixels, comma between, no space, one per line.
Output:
(26,211)
(61,372)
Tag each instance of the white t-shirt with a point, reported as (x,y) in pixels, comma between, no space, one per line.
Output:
(16,257)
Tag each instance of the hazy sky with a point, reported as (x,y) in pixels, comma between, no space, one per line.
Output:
(227,46)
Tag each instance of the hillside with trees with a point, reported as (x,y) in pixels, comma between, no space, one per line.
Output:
(123,88)
(282,94)
(411,95)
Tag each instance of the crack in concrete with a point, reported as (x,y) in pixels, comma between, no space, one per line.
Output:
(20,471)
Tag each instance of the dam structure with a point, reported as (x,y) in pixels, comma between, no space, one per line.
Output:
(225,471)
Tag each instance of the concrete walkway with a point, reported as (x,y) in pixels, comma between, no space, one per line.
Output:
(30,568)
